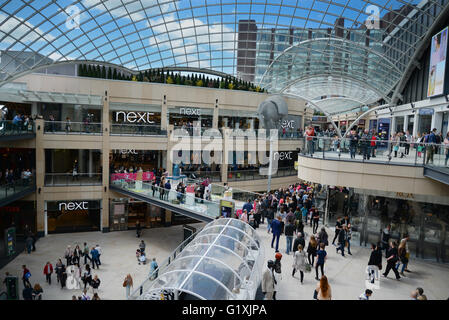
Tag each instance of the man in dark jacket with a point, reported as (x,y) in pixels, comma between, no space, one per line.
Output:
(375,262)
(289,232)
(338,227)
(247,206)
(365,143)
(276,227)
(342,241)
(299,241)
(353,142)
(392,258)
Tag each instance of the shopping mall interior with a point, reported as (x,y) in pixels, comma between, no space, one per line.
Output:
(197,126)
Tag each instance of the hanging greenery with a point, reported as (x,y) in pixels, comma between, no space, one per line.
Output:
(169,77)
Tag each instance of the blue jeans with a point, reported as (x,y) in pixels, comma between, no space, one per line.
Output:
(349,246)
(269,224)
(403,266)
(277,241)
(352,150)
(289,243)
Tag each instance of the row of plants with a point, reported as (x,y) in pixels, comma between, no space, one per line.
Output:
(161,76)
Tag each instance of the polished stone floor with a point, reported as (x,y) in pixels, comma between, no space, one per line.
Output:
(346,274)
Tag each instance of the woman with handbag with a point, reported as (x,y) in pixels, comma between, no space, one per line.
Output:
(323,290)
(299,262)
(128,283)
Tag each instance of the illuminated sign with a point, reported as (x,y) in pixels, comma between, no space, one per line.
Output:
(126,151)
(190,111)
(282,155)
(288,124)
(133,117)
(70,206)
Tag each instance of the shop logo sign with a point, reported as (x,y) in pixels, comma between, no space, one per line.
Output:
(70,206)
(282,155)
(190,111)
(287,124)
(126,151)
(133,117)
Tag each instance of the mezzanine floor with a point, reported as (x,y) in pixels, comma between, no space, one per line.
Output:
(346,275)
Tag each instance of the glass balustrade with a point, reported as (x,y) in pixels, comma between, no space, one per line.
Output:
(137,130)
(70,179)
(10,189)
(186,201)
(9,128)
(64,127)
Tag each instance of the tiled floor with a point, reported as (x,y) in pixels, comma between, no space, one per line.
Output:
(346,275)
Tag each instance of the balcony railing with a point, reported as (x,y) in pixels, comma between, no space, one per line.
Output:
(137,130)
(69,179)
(377,151)
(9,128)
(11,188)
(254,174)
(77,128)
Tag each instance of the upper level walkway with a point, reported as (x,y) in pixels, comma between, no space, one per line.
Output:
(390,166)
(16,190)
(10,131)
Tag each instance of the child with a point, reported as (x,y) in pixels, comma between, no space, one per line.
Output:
(142,258)
(138,255)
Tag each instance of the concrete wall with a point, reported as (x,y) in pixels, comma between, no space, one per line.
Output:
(389,178)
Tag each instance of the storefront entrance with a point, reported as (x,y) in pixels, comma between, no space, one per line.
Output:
(73,216)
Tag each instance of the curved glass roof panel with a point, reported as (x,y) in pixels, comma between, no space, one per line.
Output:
(221,262)
(284,45)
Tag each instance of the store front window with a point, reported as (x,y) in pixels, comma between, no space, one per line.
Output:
(76,113)
(72,167)
(125,213)
(411,121)
(135,119)
(73,216)
(186,116)
(133,160)
(399,124)
(424,124)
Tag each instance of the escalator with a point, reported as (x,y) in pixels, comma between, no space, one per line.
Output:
(184,204)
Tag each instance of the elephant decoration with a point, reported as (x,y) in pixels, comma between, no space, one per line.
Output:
(3,114)
(272,111)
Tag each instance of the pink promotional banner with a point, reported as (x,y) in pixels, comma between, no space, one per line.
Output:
(146,176)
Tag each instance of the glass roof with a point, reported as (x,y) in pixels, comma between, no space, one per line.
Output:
(313,49)
(223,262)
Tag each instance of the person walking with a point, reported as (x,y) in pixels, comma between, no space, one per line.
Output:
(402,255)
(385,238)
(270,217)
(48,270)
(100,251)
(321,259)
(37,292)
(59,267)
(138,229)
(68,255)
(366,295)
(26,276)
(338,228)
(27,292)
(298,241)
(142,246)
(85,296)
(315,216)
(342,241)
(128,283)
(86,253)
(94,255)
(276,228)
(268,281)
(323,289)
(299,262)
(153,269)
(312,250)
(29,243)
(323,237)
(289,232)
(87,276)
(374,263)
(95,283)
(392,259)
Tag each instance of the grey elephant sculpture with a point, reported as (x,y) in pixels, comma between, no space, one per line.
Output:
(271,111)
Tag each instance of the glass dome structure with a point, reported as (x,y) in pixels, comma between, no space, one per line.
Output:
(223,262)
(362,51)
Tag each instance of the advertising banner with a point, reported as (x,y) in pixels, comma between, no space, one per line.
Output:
(146,176)
(437,67)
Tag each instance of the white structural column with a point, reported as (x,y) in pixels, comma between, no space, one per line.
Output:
(416,125)
(405,123)
(437,121)
(393,125)
(91,167)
